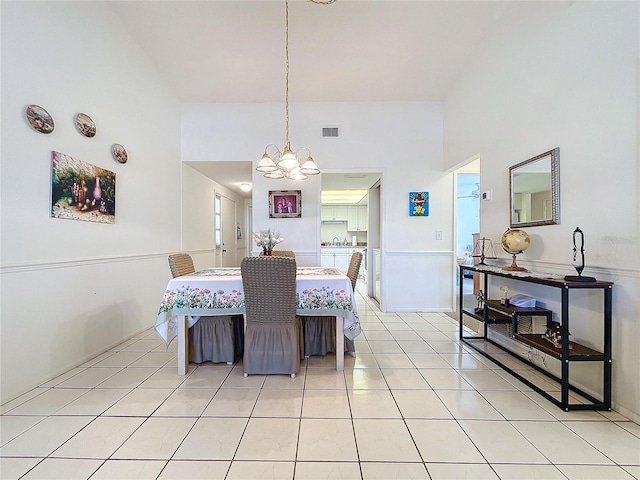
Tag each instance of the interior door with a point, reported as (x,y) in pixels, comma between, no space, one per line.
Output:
(228,230)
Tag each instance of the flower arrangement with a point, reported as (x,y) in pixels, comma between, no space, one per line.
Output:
(267,240)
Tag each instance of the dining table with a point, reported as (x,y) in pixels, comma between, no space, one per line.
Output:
(320,291)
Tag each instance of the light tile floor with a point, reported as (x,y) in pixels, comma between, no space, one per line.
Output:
(413,404)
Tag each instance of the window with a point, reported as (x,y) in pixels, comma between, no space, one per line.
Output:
(218,221)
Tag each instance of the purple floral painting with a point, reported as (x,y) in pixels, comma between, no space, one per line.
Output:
(81,191)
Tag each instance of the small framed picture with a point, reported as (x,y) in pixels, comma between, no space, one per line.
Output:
(418,204)
(285,204)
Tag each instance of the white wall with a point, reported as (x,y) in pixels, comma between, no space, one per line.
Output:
(401,140)
(72,289)
(566,75)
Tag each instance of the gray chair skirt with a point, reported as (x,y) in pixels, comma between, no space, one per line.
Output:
(261,356)
(216,339)
(320,336)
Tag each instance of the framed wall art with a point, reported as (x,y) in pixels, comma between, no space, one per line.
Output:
(119,153)
(418,204)
(85,125)
(285,204)
(81,191)
(39,119)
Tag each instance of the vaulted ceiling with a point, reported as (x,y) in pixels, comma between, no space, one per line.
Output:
(349,51)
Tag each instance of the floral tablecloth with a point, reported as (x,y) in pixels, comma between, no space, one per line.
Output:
(320,291)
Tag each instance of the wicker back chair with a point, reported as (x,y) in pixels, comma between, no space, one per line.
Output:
(181,264)
(354,268)
(320,332)
(272,335)
(281,253)
(213,338)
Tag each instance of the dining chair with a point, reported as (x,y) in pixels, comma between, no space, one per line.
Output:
(281,253)
(320,332)
(273,332)
(214,338)
(181,264)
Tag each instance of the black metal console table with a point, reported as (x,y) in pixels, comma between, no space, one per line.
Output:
(493,312)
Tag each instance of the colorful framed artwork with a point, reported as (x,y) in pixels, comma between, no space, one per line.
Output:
(85,125)
(81,191)
(39,119)
(419,204)
(285,203)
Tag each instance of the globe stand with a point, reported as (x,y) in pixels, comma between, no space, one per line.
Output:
(514,267)
(514,242)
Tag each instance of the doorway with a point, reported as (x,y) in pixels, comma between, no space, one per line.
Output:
(226,226)
(467,212)
(349,219)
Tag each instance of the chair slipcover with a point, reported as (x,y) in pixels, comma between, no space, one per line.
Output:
(320,332)
(273,331)
(215,338)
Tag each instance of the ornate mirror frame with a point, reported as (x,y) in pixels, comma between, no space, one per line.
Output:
(534,191)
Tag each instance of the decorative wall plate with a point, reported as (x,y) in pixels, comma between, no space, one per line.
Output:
(119,153)
(85,125)
(39,119)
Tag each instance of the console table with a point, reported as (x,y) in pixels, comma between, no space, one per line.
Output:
(492,312)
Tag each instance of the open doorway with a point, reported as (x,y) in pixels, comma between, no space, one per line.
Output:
(347,219)
(467,211)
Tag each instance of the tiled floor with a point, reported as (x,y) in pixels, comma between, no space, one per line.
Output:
(413,404)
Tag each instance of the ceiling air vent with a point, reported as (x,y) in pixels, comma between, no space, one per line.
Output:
(330,132)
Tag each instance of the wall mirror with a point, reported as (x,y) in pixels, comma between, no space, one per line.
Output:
(534,189)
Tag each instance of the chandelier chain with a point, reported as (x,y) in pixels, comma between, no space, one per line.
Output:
(286,55)
(287,163)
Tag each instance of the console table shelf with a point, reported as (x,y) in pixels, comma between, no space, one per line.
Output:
(577,352)
(493,317)
(493,313)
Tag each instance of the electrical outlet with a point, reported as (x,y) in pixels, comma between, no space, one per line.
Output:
(438,234)
(486,196)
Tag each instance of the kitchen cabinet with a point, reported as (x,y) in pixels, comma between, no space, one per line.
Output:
(333,213)
(338,257)
(554,342)
(357,217)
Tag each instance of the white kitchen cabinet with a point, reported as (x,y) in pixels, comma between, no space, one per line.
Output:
(327,259)
(333,213)
(342,261)
(357,218)
(336,257)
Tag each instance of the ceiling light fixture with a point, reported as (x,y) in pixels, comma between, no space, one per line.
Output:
(287,163)
(245,187)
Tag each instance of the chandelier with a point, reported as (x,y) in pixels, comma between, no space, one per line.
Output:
(287,163)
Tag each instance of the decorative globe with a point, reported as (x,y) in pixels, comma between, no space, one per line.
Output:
(515,241)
